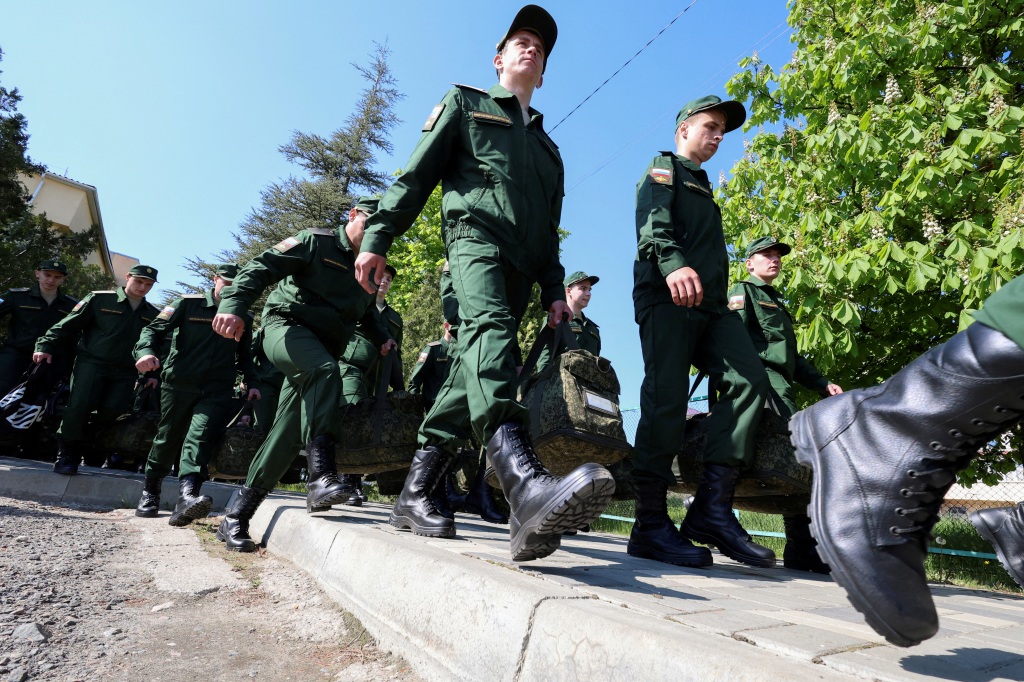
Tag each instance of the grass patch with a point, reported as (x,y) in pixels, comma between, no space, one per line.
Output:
(369,488)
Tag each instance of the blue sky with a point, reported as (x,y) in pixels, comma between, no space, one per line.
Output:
(175,111)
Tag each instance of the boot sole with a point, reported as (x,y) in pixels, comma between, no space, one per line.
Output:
(642,553)
(243,548)
(706,539)
(405,523)
(984,531)
(325,502)
(197,510)
(807,454)
(582,502)
(147,514)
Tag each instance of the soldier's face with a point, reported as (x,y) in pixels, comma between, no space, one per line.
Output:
(700,135)
(765,265)
(50,280)
(385,284)
(218,284)
(578,295)
(355,228)
(522,56)
(137,287)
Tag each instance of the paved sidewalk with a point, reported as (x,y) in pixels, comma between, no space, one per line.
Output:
(460,609)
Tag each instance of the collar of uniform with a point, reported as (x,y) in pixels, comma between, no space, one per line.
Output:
(121,295)
(686,162)
(760,283)
(210,302)
(34,291)
(499,92)
(343,241)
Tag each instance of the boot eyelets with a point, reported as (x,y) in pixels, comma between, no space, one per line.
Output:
(901,511)
(935,445)
(912,473)
(999,409)
(977,422)
(956,433)
(906,492)
(894,530)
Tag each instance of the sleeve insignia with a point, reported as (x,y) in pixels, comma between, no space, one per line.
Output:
(491,118)
(286,244)
(432,119)
(423,357)
(78,306)
(736,302)
(1,300)
(166,313)
(662,176)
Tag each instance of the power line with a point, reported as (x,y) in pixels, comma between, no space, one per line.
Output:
(624,65)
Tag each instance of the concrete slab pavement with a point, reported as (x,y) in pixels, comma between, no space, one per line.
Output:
(460,609)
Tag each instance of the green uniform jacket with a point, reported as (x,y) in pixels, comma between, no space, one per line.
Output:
(501,180)
(431,370)
(109,329)
(1004,310)
(771,329)
(318,289)
(678,224)
(587,334)
(199,356)
(31,315)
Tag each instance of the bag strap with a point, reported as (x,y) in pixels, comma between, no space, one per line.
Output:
(555,339)
(246,410)
(382,395)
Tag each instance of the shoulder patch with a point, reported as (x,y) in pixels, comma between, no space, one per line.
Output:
(166,313)
(286,244)
(736,302)
(423,357)
(469,87)
(322,231)
(660,175)
(435,114)
(78,306)
(491,118)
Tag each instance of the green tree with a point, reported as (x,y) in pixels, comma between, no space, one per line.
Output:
(13,155)
(897,174)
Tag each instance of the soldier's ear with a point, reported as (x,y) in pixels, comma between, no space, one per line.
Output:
(540,82)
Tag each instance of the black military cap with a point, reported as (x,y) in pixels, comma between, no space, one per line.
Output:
(534,19)
(390,269)
(227,271)
(734,112)
(144,271)
(54,265)
(763,243)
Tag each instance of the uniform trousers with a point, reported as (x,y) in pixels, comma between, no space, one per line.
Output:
(108,390)
(482,384)
(192,420)
(672,338)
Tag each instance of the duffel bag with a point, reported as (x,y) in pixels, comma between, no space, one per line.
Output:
(379,433)
(573,405)
(237,447)
(132,434)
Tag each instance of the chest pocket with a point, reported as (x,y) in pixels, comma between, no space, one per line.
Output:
(773,319)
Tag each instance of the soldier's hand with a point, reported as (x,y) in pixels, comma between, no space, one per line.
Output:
(152,382)
(40,358)
(367,263)
(558,312)
(388,345)
(229,326)
(147,363)
(254,394)
(685,286)
(834,389)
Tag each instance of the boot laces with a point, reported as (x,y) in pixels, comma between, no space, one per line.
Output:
(936,475)
(525,455)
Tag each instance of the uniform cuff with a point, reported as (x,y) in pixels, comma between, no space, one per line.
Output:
(668,264)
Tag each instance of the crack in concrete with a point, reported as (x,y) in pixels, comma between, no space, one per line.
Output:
(524,647)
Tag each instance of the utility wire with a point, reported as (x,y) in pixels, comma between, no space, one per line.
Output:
(624,65)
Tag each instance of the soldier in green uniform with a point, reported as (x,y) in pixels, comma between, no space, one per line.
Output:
(432,367)
(578,287)
(884,458)
(195,400)
(104,373)
(308,321)
(770,327)
(32,311)
(502,180)
(680,279)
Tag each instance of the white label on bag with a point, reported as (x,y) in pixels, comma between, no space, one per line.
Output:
(600,403)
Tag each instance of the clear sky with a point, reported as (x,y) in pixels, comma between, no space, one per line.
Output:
(175,111)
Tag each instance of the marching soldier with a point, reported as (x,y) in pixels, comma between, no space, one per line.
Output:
(578,288)
(196,397)
(680,280)
(502,179)
(432,367)
(32,311)
(770,327)
(104,372)
(307,322)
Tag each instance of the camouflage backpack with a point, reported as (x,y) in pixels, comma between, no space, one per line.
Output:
(379,433)
(237,447)
(131,435)
(774,484)
(573,405)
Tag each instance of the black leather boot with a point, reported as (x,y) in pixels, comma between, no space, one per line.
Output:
(324,486)
(234,529)
(456,500)
(414,509)
(68,458)
(149,502)
(883,459)
(710,520)
(480,498)
(801,553)
(191,505)
(1004,528)
(654,536)
(354,481)
(543,506)
(439,496)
